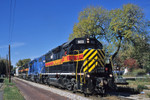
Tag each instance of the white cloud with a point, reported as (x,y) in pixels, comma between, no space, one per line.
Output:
(13,45)
(17,44)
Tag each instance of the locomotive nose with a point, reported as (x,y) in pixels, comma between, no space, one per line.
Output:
(92,59)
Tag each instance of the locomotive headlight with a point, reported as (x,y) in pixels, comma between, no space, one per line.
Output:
(88,41)
(110,75)
(88,75)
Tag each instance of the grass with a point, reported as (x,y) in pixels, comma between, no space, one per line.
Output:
(137,82)
(11,92)
(136,73)
(127,90)
(140,88)
(148,95)
(140,84)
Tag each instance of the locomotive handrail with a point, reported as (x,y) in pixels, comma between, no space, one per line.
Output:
(76,64)
(80,74)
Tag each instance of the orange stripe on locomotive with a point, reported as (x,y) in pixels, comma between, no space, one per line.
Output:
(65,59)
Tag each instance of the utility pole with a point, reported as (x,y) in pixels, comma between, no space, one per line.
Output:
(9,65)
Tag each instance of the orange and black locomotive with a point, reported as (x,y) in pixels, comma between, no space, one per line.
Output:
(77,65)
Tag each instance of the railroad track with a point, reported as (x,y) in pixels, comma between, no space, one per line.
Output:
(75,96)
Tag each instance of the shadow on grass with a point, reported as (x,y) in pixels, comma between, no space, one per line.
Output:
(123,91)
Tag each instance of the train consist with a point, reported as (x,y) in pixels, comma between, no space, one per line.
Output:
(77,65)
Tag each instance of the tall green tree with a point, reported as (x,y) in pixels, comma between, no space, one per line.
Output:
(92,21)
(2,66)
(139,51)
(117,26)
(23,62)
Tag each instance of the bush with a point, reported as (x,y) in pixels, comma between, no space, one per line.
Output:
(139,72)
(141,87)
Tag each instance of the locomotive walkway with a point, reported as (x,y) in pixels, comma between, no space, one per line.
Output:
(34,91)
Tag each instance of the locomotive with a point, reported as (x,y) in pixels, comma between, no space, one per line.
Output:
(77,65)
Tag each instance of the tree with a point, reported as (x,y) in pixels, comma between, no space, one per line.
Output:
(117,27)
(142,51)
(130,63)
(92,21)
(23,62)
(2,66)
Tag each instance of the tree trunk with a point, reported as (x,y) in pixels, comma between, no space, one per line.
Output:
(119,45)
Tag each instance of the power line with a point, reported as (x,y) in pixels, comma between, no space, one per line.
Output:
(11,19)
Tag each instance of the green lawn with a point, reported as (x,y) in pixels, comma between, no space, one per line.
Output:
(11,92)
(137,82)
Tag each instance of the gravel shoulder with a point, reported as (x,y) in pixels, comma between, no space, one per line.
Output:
(34,91)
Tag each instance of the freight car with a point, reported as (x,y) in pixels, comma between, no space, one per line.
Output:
(77,65)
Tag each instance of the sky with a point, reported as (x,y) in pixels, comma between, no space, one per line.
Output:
(40,25)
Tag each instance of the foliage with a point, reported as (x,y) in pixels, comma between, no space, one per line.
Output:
(2,66)
(138,51)
(141,87)
(135,83)
(141,52)
(92,21)
(23,62)
(118,61)
(11,92)
(117,26)
(130,63)
(136,72)
(139,72)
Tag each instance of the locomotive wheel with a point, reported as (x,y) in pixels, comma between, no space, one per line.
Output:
(102,91)
(48,81)
(74,85)
(75,88)
(67,84)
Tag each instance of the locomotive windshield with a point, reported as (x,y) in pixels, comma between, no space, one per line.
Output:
(86,43)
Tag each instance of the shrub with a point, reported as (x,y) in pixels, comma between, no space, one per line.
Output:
(139,72)
(141,87)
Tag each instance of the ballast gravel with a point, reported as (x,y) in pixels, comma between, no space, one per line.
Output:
(69,95)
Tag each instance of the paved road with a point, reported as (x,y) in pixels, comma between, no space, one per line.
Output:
(33,93)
